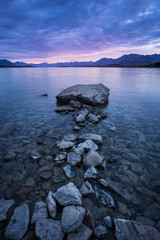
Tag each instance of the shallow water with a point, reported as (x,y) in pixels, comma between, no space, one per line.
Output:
(132,151)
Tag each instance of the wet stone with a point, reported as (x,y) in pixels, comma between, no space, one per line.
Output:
(76,128)
(34,156)
(18,224)
(82,233)
(86,189)
(88,145)
(5,205)
(70,171)
(64,109)
(92,158)
(8,129)
(79,150)
(51,203)
(92,136)
(100,231)
(75,104)
(64,144)
(152,211)
(104,198)
(73,158)
(70,137)
(40,211)
(108,221)
(60,158)
(103,182)
(80,118)
(93,118)
(91,173)
(10,156)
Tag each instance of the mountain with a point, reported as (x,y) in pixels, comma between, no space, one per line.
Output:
(105,61)
(20,64)
(6,63)
(134,59)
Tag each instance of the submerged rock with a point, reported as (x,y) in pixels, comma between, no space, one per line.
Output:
(82,233)
(92,94)
(10,156)
(7,129)
(92,158)
(68,194)
(104,198)
(51,203)
(126,229)
(70,137)
(92,136)
(34,156)
(18,224)
(72,217)
(40,211)
(49,229)
(4,207)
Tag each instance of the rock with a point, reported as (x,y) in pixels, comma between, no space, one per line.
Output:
(86,189)
(104,198)
(68,194)
(93,118)
(79,150)
(82,233)
(112,129)
(103,182)
(44,95)
(34,156)
(80,118)
(40,211)
(7,130)
(49,229)
(123,208)
(46,175)
(51,203)
(88,145)
(76,128)
(58,175)
(5,205)
(30,182)
(108,221)
(10,156)
(72,217)
(70,171)
(100,231)
(60,158)
(73,158)
(92,94)
(126,229)
(92,136)
(64,109)
(152,211)
(91,173)
(70,137)
(64,144)
(92,158)
(84,112)
(75,104)
(146,221)
(18,224)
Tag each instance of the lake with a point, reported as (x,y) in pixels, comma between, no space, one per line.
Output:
(131,136)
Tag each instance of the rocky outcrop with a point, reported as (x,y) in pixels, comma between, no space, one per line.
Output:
(126,229)
(92,94)
(18,224)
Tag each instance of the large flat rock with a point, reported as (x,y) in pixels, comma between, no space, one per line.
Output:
(92,94)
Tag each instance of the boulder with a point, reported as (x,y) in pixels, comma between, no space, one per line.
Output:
(92,136)
(51,203)
(4,207)
(72,217)
(82,233)
(126,229)
(40,211)
(68,194)
(73,158)
(92,158)
(92,94)
(49,229)
(18,224)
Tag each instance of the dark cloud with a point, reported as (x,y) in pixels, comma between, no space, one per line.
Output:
(46,28)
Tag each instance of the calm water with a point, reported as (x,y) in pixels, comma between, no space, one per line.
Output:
(133,109)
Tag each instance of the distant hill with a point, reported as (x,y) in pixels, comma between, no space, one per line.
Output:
(125,60)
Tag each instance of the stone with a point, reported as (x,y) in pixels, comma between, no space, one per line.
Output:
(30,182)
(70,137)
(152,211)
(64,109)
(34,156)
(58,175)
(68,194)
(92,158)
(93,118)
(108,221)
(126,229)
(112,129)
(49,229)
(146,221)
(92,94)
(76,128)
(88,145)
(72,217)
(80,118)
(92,136)
(100,231)
(91,173)
(60,158)
(40,211)
(82,233)
(79,150)
(5,205)
(64,144)
(51,203)
(104,198)
(123,208)
(84,112)
(7,130)
(73,158)
(86,189)
(18,224)
(103,182)
(70,171)
(44,95)
(10,156)
(75,104)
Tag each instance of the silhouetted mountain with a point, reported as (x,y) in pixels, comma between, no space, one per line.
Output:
(5,62)
(156,57)
(105,61)
(134,59)
(20,64)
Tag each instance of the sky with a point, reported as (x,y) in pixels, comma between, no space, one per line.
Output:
(77,30)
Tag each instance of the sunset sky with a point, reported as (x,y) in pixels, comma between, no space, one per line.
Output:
(77,30)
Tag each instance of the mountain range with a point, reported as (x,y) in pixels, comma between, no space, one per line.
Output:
(130,59)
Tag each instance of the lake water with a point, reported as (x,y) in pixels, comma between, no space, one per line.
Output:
(132,150)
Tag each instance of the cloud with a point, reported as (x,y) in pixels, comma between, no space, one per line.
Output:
(47,28)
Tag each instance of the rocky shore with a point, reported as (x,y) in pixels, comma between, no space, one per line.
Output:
(73,186)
